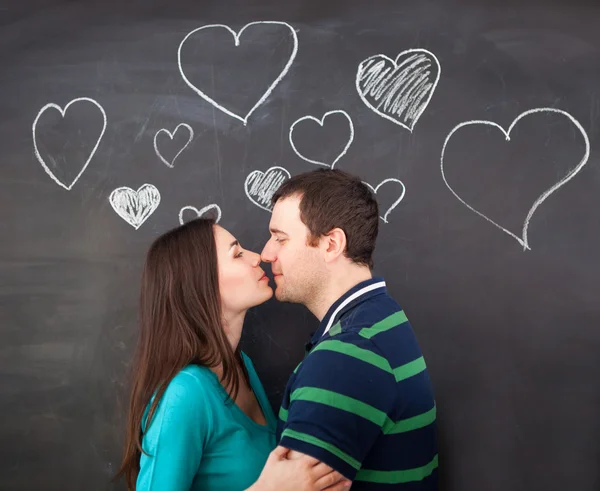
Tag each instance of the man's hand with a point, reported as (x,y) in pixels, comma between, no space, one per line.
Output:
(294,471)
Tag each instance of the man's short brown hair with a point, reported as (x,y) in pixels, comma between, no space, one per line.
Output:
(331,198)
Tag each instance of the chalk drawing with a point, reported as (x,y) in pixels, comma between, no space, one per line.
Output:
(395,203)
(261,186)
(135,206)
(200,212)
(523,239)
(62,113)
(236,38)
(400,89)
(320,123)
(171,136)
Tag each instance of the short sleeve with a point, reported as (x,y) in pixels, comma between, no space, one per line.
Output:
(176,437)
(339,402)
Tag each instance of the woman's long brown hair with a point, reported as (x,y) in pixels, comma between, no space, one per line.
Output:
(180,324)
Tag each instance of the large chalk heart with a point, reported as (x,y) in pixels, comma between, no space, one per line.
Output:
(135,206)
(236,39)
(320,123)
(62,111)
(389,183)
(523,239)
(190,132)
(199,212)
(400,89)
(261,186)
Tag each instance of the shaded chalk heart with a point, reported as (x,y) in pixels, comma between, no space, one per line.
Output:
(400,89)
(236,39)
(135,206)
(390,182)
(320,123)
(62,112)
(523,240)
(261,186)
(199,212)
(171,136)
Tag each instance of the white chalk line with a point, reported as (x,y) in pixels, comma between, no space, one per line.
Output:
(402,91)
(62,112)
(261,186)
(200,212)
(395,203)
(135,206)
(236,37)
(523,240)
(320,122)
(171,136)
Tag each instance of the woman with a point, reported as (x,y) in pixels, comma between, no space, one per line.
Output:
(197,408)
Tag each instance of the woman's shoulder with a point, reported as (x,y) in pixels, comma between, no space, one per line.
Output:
(191,385)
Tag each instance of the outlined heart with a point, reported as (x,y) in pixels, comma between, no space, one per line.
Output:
(395,203)
(62,112)
(171,136)
(399,90)
(321,122)
(261,186)
(236,38)
(200,212)
(135,206)
(523,240)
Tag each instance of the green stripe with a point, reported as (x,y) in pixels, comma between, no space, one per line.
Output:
(297,366)
(324,445)
(283,414)
(409,370)
(336,329)
(410,424)
(393,320)
(340,401)
(398,477)
(354,351)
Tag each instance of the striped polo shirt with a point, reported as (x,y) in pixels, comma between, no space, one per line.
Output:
(361,401)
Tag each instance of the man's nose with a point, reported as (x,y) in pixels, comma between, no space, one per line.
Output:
(267,255)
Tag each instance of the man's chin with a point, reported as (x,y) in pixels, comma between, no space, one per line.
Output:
(280,295)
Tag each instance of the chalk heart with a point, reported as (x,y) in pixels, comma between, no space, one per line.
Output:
(62,111)
(199,212)
(399,90)
(321,122)
(261,186)
(135,206)
(236,39)
(187,128)
(523,239)
(389,183)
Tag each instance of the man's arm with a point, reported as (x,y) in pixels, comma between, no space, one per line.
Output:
(339,403)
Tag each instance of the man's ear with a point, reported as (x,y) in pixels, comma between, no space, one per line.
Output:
(334,244)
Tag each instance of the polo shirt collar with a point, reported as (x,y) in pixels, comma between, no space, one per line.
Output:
(357,294)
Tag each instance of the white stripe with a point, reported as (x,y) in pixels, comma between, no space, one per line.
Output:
(352,297)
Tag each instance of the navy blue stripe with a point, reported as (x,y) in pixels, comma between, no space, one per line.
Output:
(320,370)
(404,455)
(430,483)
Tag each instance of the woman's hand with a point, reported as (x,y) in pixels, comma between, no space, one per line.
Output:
(304,474)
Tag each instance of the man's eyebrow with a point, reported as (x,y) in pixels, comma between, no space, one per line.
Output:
(276,231)
(234,243)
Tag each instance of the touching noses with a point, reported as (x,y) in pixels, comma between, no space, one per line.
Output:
(255,259)
(267,253)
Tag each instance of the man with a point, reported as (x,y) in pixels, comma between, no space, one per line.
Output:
(361,401)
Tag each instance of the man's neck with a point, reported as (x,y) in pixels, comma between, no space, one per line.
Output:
(336,287)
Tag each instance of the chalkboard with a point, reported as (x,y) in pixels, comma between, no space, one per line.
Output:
(476,123)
